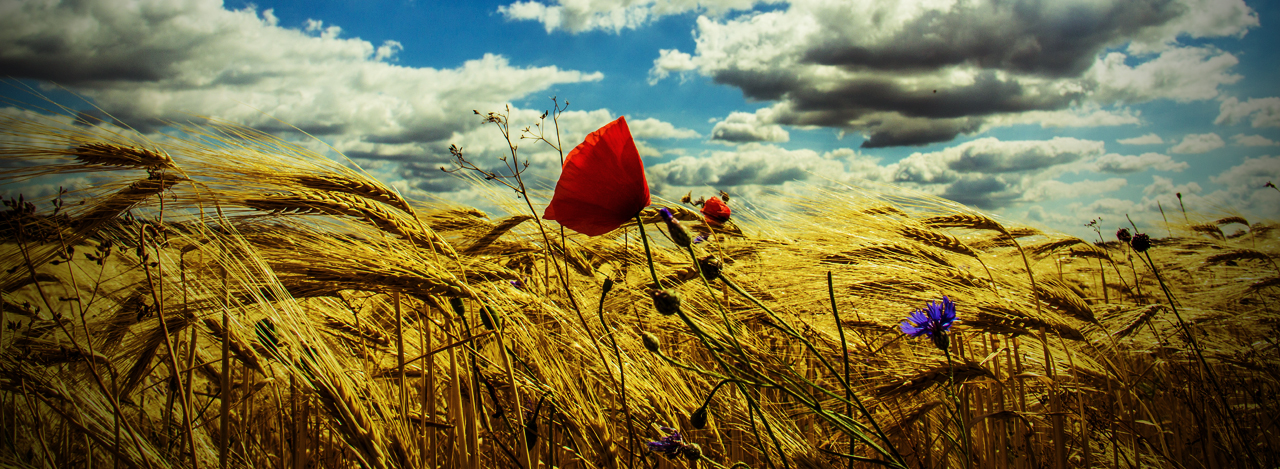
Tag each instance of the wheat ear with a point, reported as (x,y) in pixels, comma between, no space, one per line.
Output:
(110,154)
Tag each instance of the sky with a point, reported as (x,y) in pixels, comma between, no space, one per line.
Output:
(1050,113)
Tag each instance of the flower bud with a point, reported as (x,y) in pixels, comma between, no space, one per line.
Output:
(650,342)
(667,302)
(679,235)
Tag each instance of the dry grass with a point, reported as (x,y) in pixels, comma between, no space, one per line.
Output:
(220,312)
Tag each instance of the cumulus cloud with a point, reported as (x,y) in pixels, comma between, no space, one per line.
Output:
(1053,189)
(1264,112)
(1148,139)
(668,61)
(1089,115)
(919,72)
(741,127)
(1181,74)
(654,128)
(988,156)
(1125,164)
(161,60)
(1198,143)
(1253,140)
(612,15)
(989,173)
(757,164)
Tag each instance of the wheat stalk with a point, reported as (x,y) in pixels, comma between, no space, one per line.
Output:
(964,371)
(1040,249)
(1210,229)
(1230,220)
(937,240)
(1144,315)
(965,220)
(110,154)
(364,188)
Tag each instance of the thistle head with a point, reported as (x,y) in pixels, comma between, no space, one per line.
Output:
(1123,235)
(1141,242)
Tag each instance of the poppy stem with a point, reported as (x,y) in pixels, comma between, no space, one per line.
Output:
(648,254)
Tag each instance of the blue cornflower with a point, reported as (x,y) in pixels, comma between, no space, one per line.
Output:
(670,445)
(934,321)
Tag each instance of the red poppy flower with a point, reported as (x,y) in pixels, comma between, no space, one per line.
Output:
(602,184)
(716,211)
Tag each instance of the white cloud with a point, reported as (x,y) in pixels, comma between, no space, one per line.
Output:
(1181,74)
(1205,18)
(1162,186)
(668,61)
(756,164)
(164,60)
(1124,164)
(1253,140)
(1148,139)
(1198,143)
(913,73)
(1265,112)
(1056,190)
(992,156)
(742,127)
(1089,115)
(654,128)
(577,16)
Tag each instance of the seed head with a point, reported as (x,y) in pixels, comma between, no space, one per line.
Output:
(710,267)
(667,302)
(1123,235)
(699,418)
(650,342)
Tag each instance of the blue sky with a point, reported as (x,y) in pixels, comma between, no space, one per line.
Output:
(1049,112)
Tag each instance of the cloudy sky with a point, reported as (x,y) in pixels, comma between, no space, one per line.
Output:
(1052,112)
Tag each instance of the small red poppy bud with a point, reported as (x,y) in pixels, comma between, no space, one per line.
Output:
(715,211)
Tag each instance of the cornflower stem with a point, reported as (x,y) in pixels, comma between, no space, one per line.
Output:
(787,328)
(622,379)
(724,314)
(1195,346)
(844,357)
(960,413)
(648,254)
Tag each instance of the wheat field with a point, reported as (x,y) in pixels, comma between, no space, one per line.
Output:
(223,298)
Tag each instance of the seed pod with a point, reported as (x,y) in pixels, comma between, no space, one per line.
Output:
(710,267)
(691,451)
(608,285)
(667,302)
(699,418)
(650,342)
(489,317)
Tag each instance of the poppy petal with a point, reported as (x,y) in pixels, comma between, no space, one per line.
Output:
(716,211)
(602,184)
